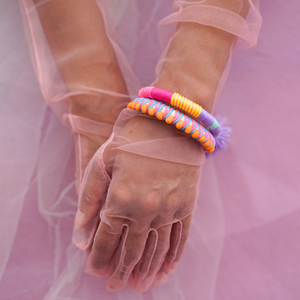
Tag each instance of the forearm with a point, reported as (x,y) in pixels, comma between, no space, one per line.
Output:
(197,58)
(85,58)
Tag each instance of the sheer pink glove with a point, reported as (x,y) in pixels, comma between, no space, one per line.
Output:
(141,186)
(91,121)
(89,136)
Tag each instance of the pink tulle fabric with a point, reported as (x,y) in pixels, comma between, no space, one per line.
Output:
(243,242)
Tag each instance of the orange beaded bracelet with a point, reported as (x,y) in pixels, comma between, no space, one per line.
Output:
(172,116)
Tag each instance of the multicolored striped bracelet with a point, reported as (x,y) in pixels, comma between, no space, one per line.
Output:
(186,105)
(172,116)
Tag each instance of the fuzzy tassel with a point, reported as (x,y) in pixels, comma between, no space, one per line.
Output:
(222,140)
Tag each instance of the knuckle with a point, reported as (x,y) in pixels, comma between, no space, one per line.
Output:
(121,195)
(151,202)
(170,204)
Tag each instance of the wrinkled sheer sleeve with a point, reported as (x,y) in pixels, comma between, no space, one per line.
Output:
(240,18)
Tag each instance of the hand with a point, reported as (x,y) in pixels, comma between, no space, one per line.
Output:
(147,206)
(93,113)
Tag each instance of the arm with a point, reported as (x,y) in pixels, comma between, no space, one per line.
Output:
(76,35)
(197,57)
(154,195)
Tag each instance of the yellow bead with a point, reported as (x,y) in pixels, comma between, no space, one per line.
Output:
(185,104)
(151,111)
(199,109)
(188,129)
(169,119)
(172,100)
(144,108)
(195,134)
(179,124)
(160,115)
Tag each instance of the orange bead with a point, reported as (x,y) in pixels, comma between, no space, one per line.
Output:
(206,144)
(202,138)
(188,129)
(151,111)
(144,108)
(210,147)
(210,150)
(160,115)
(195,134)
(129,105)
(179,124)
(169,119)
(137,105)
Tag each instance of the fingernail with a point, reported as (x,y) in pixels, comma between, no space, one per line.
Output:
(160,276)
(160,279)
(173,267)
(89,271)
(95,272)
(79,219)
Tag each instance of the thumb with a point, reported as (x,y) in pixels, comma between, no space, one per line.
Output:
(92,197)
(92,192)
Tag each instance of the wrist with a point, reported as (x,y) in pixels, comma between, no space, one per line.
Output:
(200,93)
(100,108)
(96,104)
(195,62)
(143,128)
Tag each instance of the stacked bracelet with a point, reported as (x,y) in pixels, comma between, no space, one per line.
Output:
(172,116)
(186,105)
(220,134)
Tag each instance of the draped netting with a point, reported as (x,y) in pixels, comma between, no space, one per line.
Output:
(242,242)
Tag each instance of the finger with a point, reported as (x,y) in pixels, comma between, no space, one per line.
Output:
(105,243)
(91,199)
(88,251)
(178,238)
(141,269)
(83,236)
(92,193)
(160,277)
(127,256)
(152,265)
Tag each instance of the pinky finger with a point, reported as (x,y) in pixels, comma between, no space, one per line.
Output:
(178,238)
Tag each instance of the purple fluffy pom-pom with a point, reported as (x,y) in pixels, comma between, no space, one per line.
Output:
(222,140)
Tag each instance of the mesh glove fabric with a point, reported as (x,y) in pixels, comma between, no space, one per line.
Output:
(145,191)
